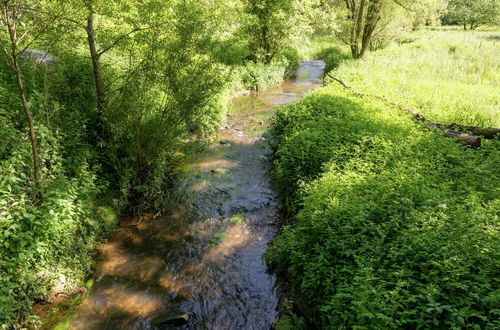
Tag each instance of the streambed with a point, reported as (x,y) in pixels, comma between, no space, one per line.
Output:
(202,264)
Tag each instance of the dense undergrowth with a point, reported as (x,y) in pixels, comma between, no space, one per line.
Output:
(400,225)
(50,243)
(391,224)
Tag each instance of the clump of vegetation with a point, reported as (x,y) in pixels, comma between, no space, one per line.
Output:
(48,243)
(394,225)
(238,219)
(217,238)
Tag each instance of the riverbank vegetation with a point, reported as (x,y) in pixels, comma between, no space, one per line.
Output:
(112,94)
(101,100)
(390,224)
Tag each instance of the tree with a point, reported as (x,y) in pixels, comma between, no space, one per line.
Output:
(24,26)
(362,22)
(120,21)
(473,13)
(270,24)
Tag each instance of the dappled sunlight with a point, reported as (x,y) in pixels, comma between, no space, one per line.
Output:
(208,249)
(216,164)
(234,237)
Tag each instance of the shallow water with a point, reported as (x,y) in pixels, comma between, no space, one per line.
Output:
(204,261)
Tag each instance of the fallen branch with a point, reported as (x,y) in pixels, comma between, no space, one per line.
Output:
(486,132)
(468,139)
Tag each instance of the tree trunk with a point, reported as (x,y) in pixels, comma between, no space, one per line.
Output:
(371,21)
(11,26)
(465,26)
(99,83)
(357,14)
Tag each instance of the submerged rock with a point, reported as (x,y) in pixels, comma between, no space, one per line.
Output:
(176,320)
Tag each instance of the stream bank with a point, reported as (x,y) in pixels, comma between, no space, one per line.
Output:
(202,263)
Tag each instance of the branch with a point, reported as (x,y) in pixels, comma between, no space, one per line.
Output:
(471,140)
(398,2)
(120,38)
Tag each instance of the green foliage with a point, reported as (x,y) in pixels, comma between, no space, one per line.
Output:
(332,56)
(288,319)
(472,13)
(217,238)
(238,219)
(257,76)
(271,25)
(49,244)
(448,76)
(400,227)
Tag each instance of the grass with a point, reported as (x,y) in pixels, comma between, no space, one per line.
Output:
(450,76)
(392,225)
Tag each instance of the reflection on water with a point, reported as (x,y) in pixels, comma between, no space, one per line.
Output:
(201,267)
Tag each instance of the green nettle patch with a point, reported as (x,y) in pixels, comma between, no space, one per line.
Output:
(46,247)
(393,225)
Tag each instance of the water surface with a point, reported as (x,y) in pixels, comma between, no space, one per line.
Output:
(202,263)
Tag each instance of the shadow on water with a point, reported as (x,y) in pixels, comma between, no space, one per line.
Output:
(201,265)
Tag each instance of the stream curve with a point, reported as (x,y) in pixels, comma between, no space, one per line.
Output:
(201,266)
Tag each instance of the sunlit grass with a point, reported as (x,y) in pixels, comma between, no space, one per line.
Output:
(449,75)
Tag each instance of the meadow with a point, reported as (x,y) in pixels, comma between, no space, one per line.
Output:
(448,75)
(390,224)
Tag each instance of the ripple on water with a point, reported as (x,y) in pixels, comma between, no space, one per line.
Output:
(204,260)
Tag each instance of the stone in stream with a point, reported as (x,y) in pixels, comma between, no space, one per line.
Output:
(176,320)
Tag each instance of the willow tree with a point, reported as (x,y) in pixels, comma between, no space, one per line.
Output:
(272,24)
(107,24)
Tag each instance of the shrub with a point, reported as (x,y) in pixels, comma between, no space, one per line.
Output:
(258,76)
(51,242)
(332,56)
(399,230)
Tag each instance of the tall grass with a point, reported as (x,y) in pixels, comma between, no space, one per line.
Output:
(451,76)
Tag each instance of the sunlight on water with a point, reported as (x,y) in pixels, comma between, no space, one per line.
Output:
(204,260)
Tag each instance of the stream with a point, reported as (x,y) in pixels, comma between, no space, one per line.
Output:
(201,267)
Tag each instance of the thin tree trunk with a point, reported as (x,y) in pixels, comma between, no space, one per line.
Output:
(356,28)
(465,26)
(99,83)
(12,28)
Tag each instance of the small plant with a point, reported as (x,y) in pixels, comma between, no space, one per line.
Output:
(217,238)
(238,219)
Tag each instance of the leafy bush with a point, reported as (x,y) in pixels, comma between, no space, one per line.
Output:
(49,243)
(257,75)
(332,56)
(400,227)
